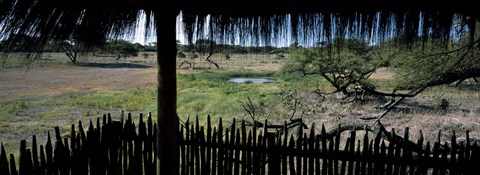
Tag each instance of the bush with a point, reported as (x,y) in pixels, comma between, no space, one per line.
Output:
(194,55)
(180,54)
(280,56)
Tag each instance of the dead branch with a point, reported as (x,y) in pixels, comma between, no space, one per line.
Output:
(249,107)
(210,61)
(287,125)
(389,108)
(294,108)
(389,105)
(389,136)
(190,64)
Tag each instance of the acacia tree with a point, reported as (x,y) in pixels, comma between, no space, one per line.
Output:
(121,48)
(342,68)
(71,50)
(205,46)
(436,64)
(418,66)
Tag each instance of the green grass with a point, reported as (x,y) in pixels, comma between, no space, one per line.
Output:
(199,94)
(210,93)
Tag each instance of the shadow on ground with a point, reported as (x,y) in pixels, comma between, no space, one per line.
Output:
(112,65)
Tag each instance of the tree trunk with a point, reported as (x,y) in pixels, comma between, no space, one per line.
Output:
(212,62)
(168,153)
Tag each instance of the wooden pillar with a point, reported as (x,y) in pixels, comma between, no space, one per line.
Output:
(168,154)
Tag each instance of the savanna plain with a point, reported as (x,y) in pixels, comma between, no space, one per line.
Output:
(36,96)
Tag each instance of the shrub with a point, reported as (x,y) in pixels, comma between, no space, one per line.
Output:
(180,54)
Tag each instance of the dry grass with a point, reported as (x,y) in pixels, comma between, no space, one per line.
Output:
(20,83)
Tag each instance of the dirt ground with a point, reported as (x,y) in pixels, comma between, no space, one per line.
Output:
(41,82)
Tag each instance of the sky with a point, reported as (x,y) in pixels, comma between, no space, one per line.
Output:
(140,32)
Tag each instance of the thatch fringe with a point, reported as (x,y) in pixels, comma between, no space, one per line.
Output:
(247,22)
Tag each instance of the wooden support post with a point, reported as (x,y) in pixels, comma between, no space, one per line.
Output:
(168,149)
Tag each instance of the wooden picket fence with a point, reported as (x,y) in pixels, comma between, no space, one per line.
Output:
(121,147)
(248,151)
(113,147)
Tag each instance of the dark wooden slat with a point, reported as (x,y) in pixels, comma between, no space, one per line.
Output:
(74,160)
(453,154)
(193,147)
(49,153)
(291,157)
(475,157)
(36,166)
(383,153)
(421,155)
(226,159)
(390,154)
(238,148)
(370,163)
(59,153)
(351,150)
(461,158)
(406,154)
(435,153)
(357,160)
(324,151)
(149,146)
(311,150)
(427,158)
(4,168)
(299,149)
(43,163)
(245,148)
(13,168)
(138,161)
(231,148)
(214,152)
(221,151)
(208,147)
(143,141)
(273,155)
(398,151)
(343,169)
(468,152)
(282,149)
(305,154)
(67,158)
(376,153)
(336,151)
(255,150)
(263,152)
(187,147)
(331,158)
(24,165)
(249,162)
(29,162)
(196,140)
(318,152)
(444,159)
(203,160)
(258,166)
(182,144)
(365,154)
(155,148)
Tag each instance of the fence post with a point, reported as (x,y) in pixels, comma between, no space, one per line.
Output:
(273,155)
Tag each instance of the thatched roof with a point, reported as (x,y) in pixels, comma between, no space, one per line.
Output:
(257,22)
